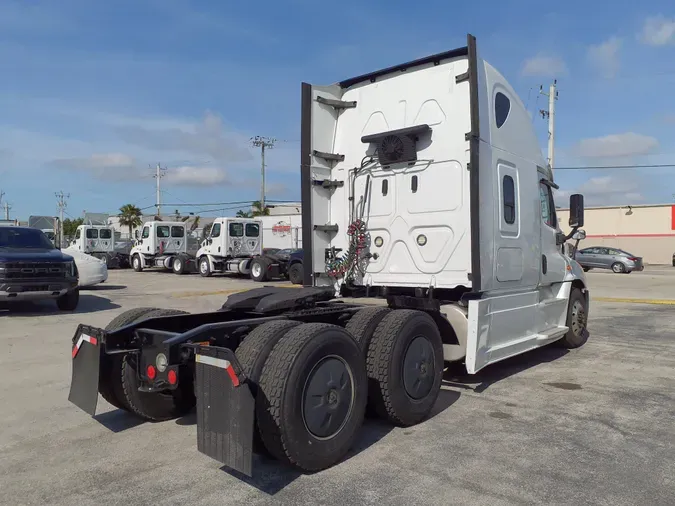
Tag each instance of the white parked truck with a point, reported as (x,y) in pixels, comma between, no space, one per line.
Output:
(168,245)
(430,236)
(230,245)
(99,242)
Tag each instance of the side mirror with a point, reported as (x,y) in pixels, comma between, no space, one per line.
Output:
(576,210)
(136,234)
(579,235)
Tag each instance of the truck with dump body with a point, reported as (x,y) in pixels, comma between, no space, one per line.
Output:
(430,236)
(168,245)
(230,246)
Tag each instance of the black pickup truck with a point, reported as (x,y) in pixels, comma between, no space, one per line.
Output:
(31,268)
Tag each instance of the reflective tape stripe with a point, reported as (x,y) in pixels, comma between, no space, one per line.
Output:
(81,339)
(221,364)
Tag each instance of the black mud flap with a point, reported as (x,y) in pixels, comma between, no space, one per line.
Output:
(86,354)
(225,409)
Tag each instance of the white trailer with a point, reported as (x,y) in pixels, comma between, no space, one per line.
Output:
(283,231)
(230,245)
(99,242)
(165,244)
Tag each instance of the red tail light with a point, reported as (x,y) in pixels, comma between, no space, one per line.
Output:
(152,372)
(172,377)
(633,259)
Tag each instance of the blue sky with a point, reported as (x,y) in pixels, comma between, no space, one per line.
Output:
(92,93)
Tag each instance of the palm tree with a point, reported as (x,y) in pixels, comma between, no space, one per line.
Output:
(258,210)
(244,214)
(130,216)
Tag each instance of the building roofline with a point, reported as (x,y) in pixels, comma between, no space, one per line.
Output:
(623,206)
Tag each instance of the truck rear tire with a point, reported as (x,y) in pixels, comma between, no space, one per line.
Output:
(295,274)
(259,269)
(577,320)
(179,265)
(405,366)
(312,396)
(252,355)
(69,301)
(137,263)
(154,407)
(363,324)
(109,382)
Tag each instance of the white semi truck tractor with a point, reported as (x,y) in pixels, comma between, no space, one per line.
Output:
(99,242)
(230,246)
(430,237)
(167,245)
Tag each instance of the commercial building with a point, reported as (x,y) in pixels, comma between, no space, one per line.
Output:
(643,230)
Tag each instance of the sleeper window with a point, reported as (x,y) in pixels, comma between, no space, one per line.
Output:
(502,108)
(509,196)
(163,232)
(177,232)
(92,233)
(236,229)
(105,233)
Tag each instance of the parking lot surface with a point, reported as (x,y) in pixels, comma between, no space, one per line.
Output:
(588,426)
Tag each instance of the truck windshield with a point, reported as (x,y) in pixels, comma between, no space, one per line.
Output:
(24,238)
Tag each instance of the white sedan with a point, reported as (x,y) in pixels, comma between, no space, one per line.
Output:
(92,271)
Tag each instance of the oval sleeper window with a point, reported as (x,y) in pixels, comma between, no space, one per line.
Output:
(413,184)
(502,108)
(385,186)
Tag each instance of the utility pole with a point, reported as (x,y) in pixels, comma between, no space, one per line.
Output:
(7,208)
(61,203)
(550,114)
(262,142)
(159,174)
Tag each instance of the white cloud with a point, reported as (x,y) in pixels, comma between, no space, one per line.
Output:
(208,138)
(544,66)
(605,190)
(604,57)
(617,146)
(108,166)
(658,31)
(196,176)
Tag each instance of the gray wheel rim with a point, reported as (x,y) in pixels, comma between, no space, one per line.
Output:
(419,368)
(177,265)
(137,262)
(579,318)
(328,397)
(256,269)
(617,268)
(204,266)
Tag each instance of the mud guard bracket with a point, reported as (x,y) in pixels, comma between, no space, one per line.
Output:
(225,409)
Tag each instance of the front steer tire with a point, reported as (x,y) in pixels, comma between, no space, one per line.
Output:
(316,369)
(577,321)
(405,366)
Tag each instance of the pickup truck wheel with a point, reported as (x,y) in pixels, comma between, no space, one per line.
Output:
(405,366)
(252,355)
(313,392)
(204,267)
(109,376)
(577,320)
(69,301)
(156,406)
(259,270)
(295,274)
(136,263)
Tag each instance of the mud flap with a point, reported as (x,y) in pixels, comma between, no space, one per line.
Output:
(86,354)
(225,409)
